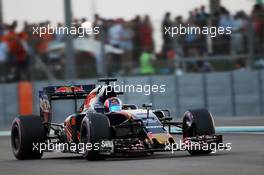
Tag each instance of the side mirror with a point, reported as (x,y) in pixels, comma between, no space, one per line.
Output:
(99,108)
(147,105)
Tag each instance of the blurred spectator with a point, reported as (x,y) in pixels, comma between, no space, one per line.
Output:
(204,66)
(18,58)
(167,39)
(3,60)
(115,32)
(127,45)
(238,30)
(191,39)
(59,37)
(178,40)
(136,23)
(98,22)
(203,17)
(146,62)
(203,21)
(225,20)
(240,64)
(44,40)
(146,31)
(54,59)
(258,25)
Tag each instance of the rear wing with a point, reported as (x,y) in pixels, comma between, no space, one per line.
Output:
(50,93)
(68,92)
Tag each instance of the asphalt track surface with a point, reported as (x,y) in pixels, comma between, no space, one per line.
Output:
(246,157)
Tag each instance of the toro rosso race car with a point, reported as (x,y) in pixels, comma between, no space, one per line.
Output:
(106,127)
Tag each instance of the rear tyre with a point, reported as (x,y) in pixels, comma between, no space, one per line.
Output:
(198,122)
(94,128)
(26,131)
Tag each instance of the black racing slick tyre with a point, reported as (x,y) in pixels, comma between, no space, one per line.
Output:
(198,122)
(26,132)
(94,128)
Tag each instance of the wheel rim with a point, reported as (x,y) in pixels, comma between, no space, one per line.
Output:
(85,139)
(187,125)
(84,134)
(16,141)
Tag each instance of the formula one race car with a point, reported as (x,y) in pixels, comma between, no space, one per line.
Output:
(105,127)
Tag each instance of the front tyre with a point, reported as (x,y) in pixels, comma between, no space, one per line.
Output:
(198,122)
(26,131)
(94,128)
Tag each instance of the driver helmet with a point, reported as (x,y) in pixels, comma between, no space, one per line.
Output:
(113,104)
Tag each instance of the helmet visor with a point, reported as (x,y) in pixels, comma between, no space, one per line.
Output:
(115,108)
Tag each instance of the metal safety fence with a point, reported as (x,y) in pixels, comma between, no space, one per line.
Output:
(232,93)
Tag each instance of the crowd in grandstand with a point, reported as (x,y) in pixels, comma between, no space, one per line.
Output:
(19,49)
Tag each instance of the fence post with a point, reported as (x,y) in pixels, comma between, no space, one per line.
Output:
(233,95)
(260,91)
(205,92)
(4,104)
(151,94)
(177,95)
(125,94)
(104,61)
(251,44)
(70,65)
